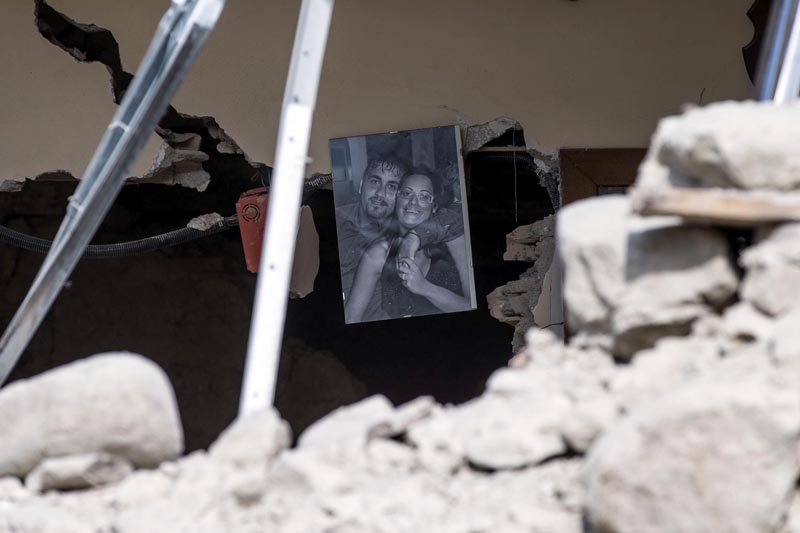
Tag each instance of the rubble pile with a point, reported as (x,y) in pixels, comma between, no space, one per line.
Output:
(514,303)
(675,406)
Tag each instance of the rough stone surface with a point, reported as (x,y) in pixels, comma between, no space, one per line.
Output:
(480,134)
(674,275)
(792,524)
(638,279)
(745,145)
(253,440)
(179,162)
(118,403)
(205,222)
(772,278)
(587,421)
(11,185)
(591,238)
(36,516)
(499,432)
(12,489)
(783,340)
(742,323)
(670,465)
(514,302)
(350,425)
(660,369)
(77,471)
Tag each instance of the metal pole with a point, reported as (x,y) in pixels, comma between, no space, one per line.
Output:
(778,69)
(788,86)
(181,33)
(272,289)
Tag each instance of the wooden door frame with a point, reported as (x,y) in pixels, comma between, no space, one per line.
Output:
(585,170)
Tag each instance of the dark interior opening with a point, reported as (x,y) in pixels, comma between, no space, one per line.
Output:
(188,308)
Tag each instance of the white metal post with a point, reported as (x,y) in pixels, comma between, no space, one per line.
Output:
(788,85)
(178,39)
(286,189)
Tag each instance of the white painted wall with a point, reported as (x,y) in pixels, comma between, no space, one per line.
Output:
(587,73)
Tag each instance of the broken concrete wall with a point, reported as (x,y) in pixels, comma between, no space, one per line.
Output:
(573,439)
(515,302)
(573,73)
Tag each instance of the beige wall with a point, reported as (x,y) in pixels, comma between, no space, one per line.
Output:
(586,73)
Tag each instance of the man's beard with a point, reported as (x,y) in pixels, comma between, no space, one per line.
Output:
(377,207)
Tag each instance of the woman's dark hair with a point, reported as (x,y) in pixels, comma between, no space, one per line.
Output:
(442,188)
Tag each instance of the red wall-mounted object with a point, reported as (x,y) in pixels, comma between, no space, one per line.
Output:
(252,212)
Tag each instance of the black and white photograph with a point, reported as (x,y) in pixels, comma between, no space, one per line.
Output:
(402,225)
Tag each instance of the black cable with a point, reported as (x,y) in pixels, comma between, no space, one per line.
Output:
(149,244)
(107,251)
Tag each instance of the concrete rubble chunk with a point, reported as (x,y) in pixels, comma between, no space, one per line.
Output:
(437,449)
(349,425)
(742,323)
(404,416)
(546,498)
(117,403)
(8,185)
(587,421)
(783,341)
(671,464)
(514,303)
(77,471)
(500,433)
(674,275)
(12,489)
(205,222)
(792,524)
(744,145)
(252,441)
(660,369)
(531,242)
(772,271)
(37,516)
(480,134)
(179,162)
(591,237)
(157,503)
(654,179)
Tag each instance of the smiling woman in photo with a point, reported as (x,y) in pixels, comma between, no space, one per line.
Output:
(435,280)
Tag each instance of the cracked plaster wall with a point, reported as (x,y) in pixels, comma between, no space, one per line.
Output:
(572,73)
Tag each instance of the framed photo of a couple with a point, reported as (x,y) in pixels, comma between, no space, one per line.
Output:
(402,226)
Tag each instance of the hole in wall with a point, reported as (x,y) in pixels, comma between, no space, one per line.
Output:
(188,308)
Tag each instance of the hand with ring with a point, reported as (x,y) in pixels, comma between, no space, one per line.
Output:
(412,277)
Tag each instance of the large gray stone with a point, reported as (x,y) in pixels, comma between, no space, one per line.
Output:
(118,403)
(591,238)
(717,454)
(745,145)
(673,276)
